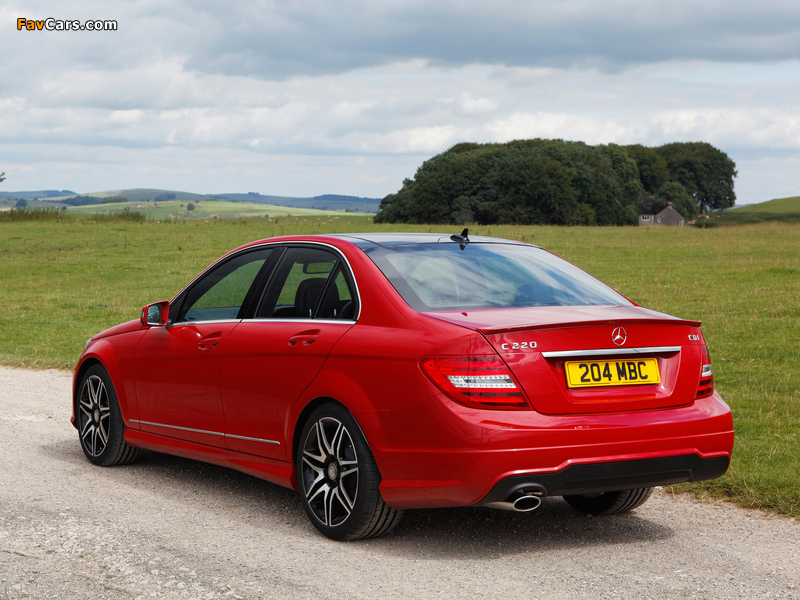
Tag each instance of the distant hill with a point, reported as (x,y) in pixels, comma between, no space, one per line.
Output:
(780,210)
(38,194)
(328,202)
(140,195)
(325,202)
(173,209)
(779,205)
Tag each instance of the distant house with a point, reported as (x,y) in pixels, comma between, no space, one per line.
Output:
(669,217)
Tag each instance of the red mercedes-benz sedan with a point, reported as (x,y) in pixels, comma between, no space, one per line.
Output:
(380,372)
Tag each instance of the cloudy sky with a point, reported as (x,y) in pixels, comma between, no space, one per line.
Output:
(302,98)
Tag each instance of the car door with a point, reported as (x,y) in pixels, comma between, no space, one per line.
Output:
(178,366)
(268,361)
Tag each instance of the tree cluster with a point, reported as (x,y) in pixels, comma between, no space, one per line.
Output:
(559,182)
(81,200)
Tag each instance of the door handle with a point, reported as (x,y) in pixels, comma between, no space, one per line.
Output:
(209,342)
(304,338)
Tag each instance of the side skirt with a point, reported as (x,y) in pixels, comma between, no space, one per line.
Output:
(274,471)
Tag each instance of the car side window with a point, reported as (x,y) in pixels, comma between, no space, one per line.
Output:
(220,294)
(308,283)
(338,302)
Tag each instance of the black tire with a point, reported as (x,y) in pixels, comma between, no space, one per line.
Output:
(609,503)
(100,427)
(338,478)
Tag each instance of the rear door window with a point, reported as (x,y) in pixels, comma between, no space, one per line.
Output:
(308,283)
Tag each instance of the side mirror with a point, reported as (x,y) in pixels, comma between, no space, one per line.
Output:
(155,314)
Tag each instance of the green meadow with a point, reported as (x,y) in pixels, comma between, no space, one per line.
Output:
(62,281)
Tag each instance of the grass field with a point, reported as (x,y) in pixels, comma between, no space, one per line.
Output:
(64,281)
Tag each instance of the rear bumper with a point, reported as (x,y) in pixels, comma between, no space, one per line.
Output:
(443,454)
(607,477)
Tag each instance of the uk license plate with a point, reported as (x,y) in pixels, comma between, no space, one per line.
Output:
(598,373)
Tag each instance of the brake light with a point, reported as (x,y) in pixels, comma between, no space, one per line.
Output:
(476,381)
(706,386)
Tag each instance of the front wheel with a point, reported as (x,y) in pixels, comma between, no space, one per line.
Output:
(609,503)
(338,478)
(100,426)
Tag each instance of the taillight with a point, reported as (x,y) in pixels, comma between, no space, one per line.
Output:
(476,381)
(706,386)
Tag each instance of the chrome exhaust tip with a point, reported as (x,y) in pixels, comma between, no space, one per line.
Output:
(527,503)
(525,500)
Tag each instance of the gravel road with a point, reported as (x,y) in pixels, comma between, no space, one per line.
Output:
(172,528)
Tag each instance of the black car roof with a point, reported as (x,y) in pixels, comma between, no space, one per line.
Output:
(366,240)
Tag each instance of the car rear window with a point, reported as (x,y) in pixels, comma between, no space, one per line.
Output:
(445,277)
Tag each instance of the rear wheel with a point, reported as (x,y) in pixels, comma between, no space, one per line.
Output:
(100,426)
(338,478)
(609,503)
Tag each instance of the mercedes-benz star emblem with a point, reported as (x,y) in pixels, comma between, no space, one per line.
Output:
(618,336)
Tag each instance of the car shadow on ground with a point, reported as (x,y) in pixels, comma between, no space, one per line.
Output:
(467,533)
(443,533)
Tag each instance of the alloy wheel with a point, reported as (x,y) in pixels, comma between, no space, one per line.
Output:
(95,416)
(330,471)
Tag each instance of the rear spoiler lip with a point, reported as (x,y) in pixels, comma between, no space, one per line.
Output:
(540,326)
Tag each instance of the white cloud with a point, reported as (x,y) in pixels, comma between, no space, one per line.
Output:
(124,117)
(469,105)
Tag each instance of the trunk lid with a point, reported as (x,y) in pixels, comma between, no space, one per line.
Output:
(591,359)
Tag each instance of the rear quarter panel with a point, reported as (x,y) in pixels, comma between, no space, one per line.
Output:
(376,368)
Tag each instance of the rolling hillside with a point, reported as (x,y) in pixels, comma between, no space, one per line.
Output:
(325,202)
(782,210)
(37,194)
(228,204)
(202,209)
(779,205)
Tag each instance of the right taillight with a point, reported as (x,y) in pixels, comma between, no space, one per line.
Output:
(706,386)
(476,381)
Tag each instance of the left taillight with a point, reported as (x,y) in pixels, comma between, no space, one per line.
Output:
(476,381)
(706,386)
